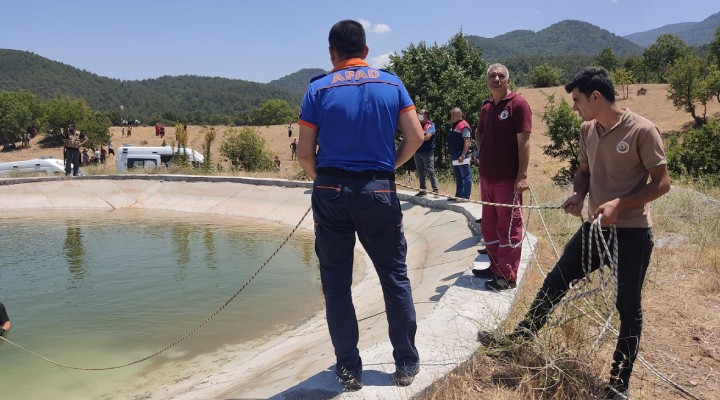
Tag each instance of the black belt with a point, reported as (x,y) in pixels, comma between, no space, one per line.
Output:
(330,171)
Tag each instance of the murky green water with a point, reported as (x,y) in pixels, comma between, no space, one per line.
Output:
(99,289)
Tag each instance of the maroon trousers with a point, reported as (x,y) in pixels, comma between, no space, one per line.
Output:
(501,227)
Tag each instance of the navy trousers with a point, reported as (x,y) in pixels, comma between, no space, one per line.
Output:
(345,206)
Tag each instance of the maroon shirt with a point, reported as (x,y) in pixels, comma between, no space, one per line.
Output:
(500,125)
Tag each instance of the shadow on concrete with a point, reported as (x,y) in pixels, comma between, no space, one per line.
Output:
(464,244)
(316,386)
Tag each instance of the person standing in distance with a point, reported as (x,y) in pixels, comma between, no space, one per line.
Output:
(5,324)
(425,155)
(348,121)
(73,141)
(622,168)
(458,144)
(503,140)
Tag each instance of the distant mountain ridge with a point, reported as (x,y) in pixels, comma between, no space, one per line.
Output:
(557,39)
(692,33)
(186,97)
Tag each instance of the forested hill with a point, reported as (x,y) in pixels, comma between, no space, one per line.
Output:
(190,98)
(297,81)
(692,33)
(557,39)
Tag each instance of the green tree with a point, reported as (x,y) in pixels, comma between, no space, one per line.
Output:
(714,48)
(96,126)
(623,77)
(686,77)
(245,150)
(563,128)
(440,78)
(274,112)
(696,152)
(661,55)
(19,110)
(544,76)
(607,59)
(207,144)
(712,83)
(638,68)
(61,111)
(181,138)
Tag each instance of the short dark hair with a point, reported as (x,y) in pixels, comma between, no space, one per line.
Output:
(590,80)
(347,38)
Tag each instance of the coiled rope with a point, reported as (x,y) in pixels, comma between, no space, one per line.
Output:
(604,280)
(185,336)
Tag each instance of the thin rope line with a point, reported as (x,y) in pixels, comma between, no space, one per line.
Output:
(185,336)
(487,203)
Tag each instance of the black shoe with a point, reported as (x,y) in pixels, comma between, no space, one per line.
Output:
(482,250)
(421,193)
(449,199)
(498,284)
(483,273)
(351,381)
(436,192)
(404,376)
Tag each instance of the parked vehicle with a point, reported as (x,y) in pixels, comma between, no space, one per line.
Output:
(50,166)
(152,157)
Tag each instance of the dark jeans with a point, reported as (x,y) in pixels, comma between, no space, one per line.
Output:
(343,206)
(463,178)
(425,164)
(634,248)
(72,156)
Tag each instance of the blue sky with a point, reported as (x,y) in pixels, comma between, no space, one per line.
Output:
(262,40)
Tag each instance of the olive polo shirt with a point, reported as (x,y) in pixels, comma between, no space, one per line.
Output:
(619,160)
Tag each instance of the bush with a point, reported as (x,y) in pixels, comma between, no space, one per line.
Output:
(564,131)
(642,91)
(545,76)
(245,150)
(696,152)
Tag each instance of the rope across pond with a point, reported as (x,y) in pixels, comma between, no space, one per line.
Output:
(185,336)
(487,203)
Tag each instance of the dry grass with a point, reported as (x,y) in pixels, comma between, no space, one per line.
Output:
(681,295)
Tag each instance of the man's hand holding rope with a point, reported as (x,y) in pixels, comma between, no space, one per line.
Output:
(573,205)
(609,212)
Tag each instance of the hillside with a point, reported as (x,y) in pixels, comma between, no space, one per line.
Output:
(692,33)
(557,39)
(297,81)
(185,98)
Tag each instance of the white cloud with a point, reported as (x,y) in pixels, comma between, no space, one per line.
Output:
(381,28)
(380,61)
(365,23)
(376,28)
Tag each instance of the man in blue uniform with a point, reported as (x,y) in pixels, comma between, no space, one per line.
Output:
(348,121)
